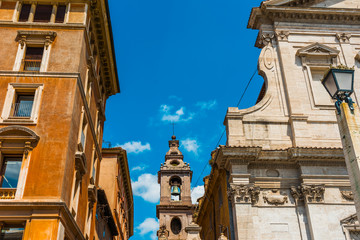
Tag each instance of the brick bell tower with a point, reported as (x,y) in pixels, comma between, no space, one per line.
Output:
(175,209)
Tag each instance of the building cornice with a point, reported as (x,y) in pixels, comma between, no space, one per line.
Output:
(270,14)
(226,156)
(100,16)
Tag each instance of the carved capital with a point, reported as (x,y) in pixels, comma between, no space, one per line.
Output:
(347,195)
(313,193)
(266,39)
(244,193)
(296,193)
(274,197)
(343,37)
(310,193)
(282,35)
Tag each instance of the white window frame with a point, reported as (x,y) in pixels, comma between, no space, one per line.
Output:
(34,38)
(9,100)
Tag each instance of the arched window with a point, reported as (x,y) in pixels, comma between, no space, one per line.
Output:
(16,143)
(175,184)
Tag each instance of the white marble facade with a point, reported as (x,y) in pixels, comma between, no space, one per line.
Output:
(287,174)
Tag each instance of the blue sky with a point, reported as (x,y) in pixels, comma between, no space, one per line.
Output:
(184,61)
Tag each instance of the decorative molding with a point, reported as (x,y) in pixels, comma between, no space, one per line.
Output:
(311,193)
(244,193)
(343,37)
(80,164)
(302,14)
(350,220)
(265,39)
(292,3)
(92,195)
(282,35)
(357,57)
(314,193)
(347,195)
(163,233)
(275,197)
(35,37)
(317,49)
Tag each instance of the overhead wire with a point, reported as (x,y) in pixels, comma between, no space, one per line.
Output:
(218,142)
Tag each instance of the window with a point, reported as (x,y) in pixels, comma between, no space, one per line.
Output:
(175,225)
(83,134)
(33,51)
(24,13)
(60,14)
(10,171)
(11,232)
(43,13)
(32,60)
(23,104)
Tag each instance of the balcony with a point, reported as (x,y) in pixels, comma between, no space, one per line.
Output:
(22,109)
(31,65)
(7,193)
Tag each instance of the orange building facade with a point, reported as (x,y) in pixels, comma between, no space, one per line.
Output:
(115,186)
(56,72)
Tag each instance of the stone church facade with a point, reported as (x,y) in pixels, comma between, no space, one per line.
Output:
(283,164)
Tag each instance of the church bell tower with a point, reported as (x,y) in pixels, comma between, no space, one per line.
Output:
(175,209)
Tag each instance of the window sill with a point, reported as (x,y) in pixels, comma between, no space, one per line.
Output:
(18,120)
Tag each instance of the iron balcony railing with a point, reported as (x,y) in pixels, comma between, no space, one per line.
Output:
(22,109)
(31,65)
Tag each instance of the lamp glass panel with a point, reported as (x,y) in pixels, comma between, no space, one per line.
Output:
(330,85)
(344,80)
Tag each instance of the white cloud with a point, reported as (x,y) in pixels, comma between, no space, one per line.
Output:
(139,168)
(206,105)
(190,145)
(175,98)
(135,147)
(178,116)
(197,192)
(147,187)
(149,225)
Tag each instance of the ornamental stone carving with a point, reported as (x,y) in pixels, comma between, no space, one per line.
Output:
(282,35)
(310,193)
(274,197)
(314,193)
(265,39)
(244,193)
(163,233)
(347,195)
(343,37)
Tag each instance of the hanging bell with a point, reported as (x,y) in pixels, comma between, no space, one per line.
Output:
(175,190)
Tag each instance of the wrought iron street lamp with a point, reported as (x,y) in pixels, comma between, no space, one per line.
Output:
(339,83)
